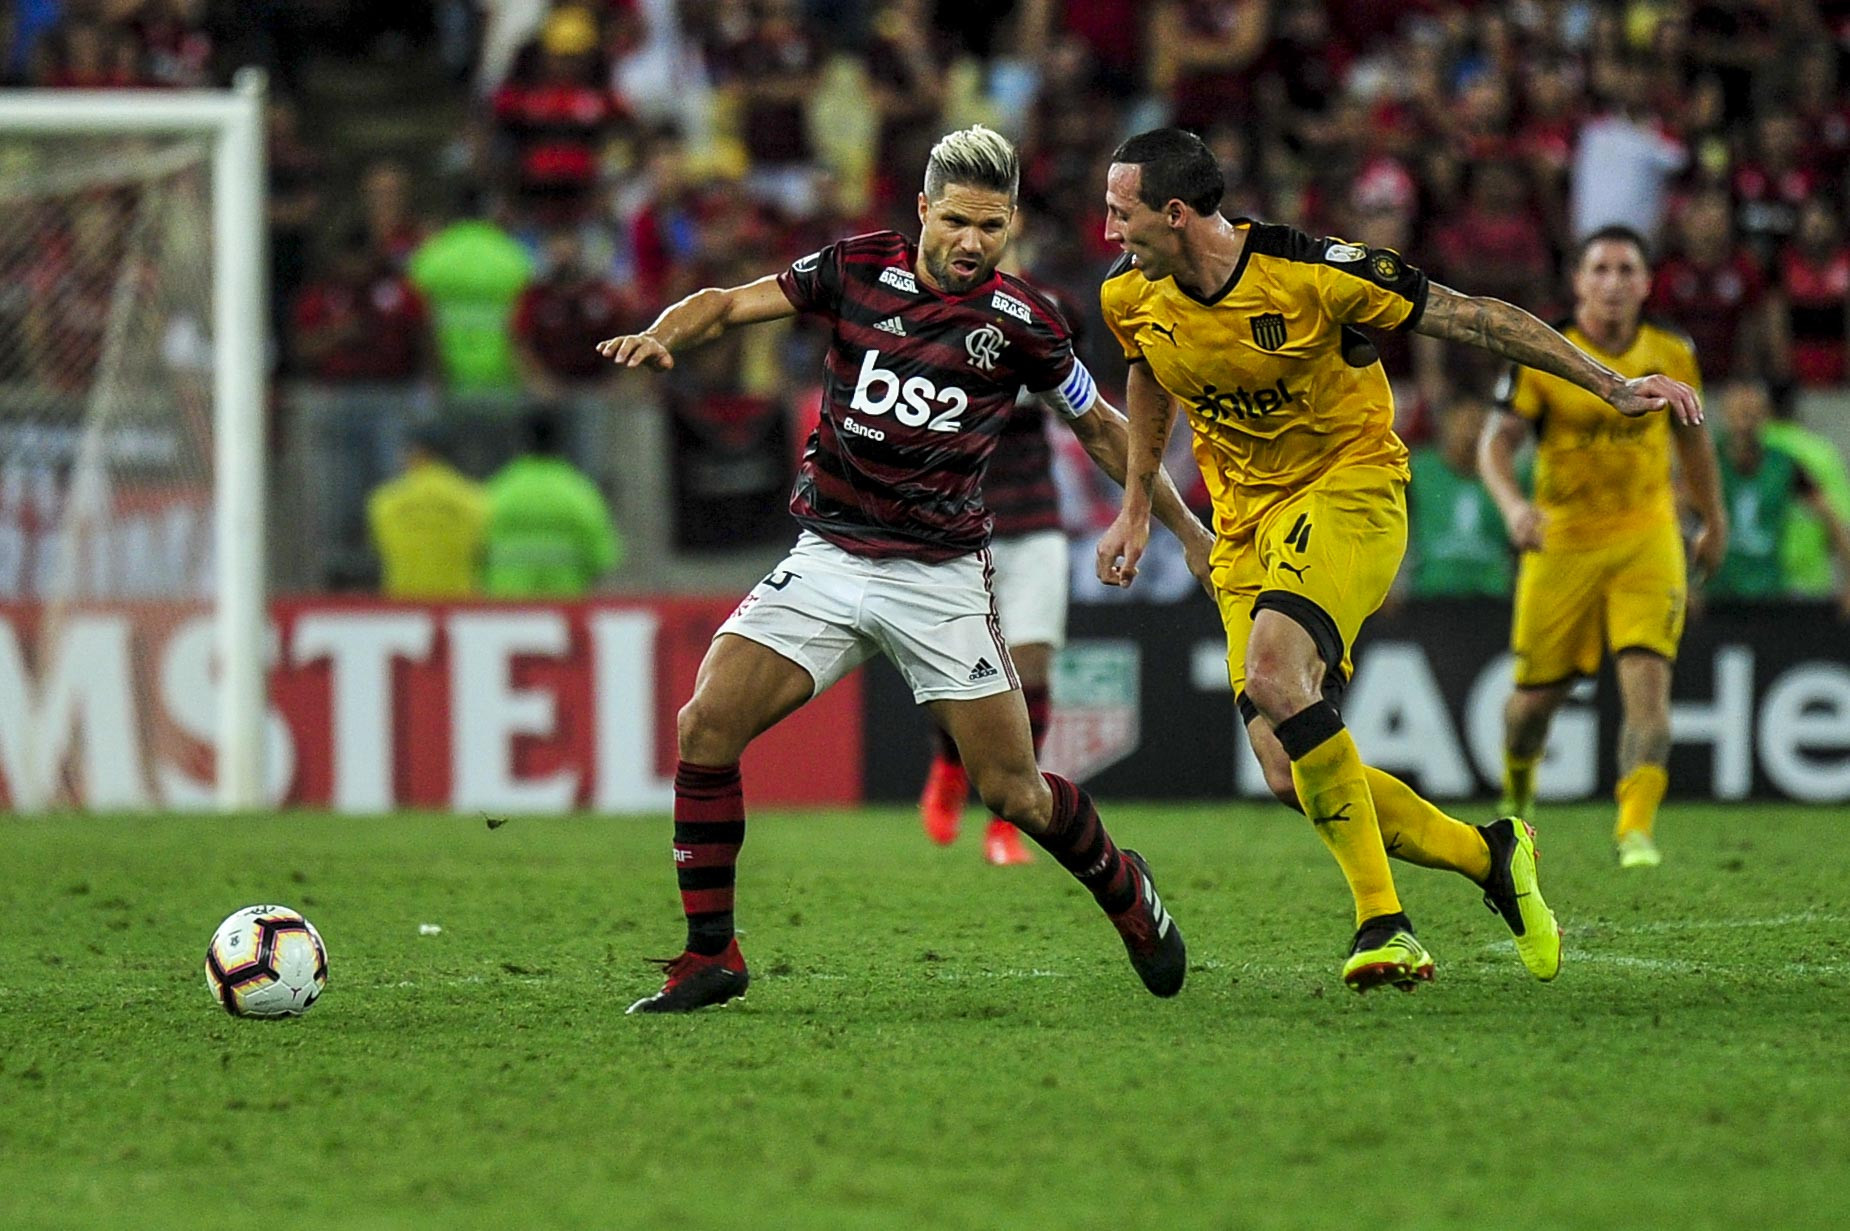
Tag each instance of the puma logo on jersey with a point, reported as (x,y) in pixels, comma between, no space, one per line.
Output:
(1168,331)
(1294,569)
(983,671)
(892,325)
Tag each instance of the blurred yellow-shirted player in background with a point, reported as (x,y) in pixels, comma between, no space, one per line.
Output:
(1602,566)
(1252,328)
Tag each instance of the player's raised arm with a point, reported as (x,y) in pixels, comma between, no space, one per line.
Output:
(1504,329)
(1105,433)
(1151,413)
(701,317)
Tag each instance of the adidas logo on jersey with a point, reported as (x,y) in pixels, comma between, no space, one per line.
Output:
(892,325)
(982,671)
(899,280)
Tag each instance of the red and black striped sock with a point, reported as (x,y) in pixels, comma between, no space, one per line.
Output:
(1040,713)
(943,747)
(709,828)
(1078,841)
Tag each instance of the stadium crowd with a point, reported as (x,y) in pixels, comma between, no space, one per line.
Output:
(619,153)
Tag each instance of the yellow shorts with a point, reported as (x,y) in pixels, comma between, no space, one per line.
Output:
(1324,557)
(1572,605)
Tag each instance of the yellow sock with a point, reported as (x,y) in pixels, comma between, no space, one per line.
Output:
(1413,829)
(1333,783)
(1519,783)
(1639,793)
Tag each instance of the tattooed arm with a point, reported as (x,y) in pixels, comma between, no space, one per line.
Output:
(1506,330)
(1151,413)
(1106,434)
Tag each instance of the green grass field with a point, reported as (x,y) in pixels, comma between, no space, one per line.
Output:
(928,1042)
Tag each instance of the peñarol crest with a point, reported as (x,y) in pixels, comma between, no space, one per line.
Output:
(1097,718)
(1268,330)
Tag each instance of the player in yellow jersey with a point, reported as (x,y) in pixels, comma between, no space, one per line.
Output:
(1602,566)
(1253,329)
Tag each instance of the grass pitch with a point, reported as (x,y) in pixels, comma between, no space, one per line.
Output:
(928,1042)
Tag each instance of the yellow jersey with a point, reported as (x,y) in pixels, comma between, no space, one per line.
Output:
(1597,472)
(1280,386)
(427,526)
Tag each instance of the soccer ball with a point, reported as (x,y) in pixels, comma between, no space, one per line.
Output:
(266,961)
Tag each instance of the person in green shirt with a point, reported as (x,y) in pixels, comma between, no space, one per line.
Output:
(471,273)
(1763,488)
(1806,545)
(549,533)
(1457,542)
(426,525)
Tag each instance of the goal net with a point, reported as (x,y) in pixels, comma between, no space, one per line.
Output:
(129,432)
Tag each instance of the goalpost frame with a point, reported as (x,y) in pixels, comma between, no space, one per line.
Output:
(234,121)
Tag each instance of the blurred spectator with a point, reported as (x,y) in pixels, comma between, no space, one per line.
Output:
(73,282)
(1823,111)
(1762,487)
(1495,243)
(1772,182)
(426,525)
(392,222)
(81,54)
(1622,159)
(771,72)
(1814,291)
(1202,53)
(1806,548)
(556,112)
(22,25)
(294,202)
(907,88)
(1712,288)
(560,318)
(471,273)
(1456,540)
(549,533)
(360,321)
(175,41)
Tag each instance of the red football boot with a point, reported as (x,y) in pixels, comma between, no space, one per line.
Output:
(941,803)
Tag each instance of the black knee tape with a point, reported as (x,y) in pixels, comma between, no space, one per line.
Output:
(1310,727)
(1248,711)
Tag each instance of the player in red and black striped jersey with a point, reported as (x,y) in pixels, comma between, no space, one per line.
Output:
(1030,551)
(930,347)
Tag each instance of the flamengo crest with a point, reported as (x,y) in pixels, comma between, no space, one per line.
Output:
(984,347)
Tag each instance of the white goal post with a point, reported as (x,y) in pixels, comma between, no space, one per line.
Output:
(232,122)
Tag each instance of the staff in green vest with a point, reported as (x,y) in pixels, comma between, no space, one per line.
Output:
(1763,487)
(1458,544)
(549,533)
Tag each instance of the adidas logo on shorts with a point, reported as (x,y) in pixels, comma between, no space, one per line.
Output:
(892,325)
(982,671)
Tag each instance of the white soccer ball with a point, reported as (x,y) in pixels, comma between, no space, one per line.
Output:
(266,961)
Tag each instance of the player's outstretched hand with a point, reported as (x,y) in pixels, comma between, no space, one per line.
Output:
(633,350)
(1120,548)
(1644,395)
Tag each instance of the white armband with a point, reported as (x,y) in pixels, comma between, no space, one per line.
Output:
(1075,396)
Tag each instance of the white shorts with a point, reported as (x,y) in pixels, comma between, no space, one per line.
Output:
(1031,582)
(829,611)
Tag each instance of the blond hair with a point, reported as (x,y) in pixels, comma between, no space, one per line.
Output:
(976,157)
